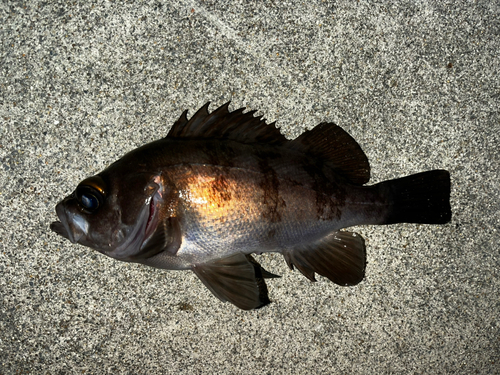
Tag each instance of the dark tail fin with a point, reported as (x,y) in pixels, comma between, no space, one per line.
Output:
(420,198)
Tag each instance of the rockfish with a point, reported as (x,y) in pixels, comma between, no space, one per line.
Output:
(223,185)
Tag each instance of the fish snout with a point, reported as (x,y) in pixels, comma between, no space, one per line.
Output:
(71,225)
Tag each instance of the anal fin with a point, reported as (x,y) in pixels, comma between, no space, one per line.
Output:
(340,256)
(238,279)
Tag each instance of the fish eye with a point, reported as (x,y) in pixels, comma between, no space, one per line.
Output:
(90,193)
(89,201)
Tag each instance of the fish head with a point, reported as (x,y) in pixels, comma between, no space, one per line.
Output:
(114,214)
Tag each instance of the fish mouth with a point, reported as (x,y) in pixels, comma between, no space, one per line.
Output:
(70,228)
(58,228)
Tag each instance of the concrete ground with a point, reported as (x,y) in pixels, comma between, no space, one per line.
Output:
(416,83)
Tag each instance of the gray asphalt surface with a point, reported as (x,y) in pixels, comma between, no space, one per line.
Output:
(417,84)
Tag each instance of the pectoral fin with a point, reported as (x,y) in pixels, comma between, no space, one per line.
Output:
(238,279)
(340,256)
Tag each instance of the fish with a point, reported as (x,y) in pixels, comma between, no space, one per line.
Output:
(224,186)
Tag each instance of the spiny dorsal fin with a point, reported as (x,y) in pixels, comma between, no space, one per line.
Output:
(222,124)
(181,122)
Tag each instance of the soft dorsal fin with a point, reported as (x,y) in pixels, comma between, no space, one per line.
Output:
(335,147)
(327,143)
(222,124)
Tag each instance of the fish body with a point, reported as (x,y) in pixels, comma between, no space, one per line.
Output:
(224,185)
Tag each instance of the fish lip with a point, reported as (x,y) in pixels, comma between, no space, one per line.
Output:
(58,228)
(63,227)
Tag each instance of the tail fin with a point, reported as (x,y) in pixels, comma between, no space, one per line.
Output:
(420,198)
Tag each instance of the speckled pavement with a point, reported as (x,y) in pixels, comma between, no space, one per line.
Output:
(417,84)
